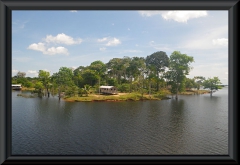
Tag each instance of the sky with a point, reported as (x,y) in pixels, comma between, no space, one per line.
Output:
(48,40)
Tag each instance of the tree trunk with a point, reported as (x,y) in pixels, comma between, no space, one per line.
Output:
(59,94)
(48,92)
(177,93)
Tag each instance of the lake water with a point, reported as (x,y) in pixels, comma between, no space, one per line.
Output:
(195,125)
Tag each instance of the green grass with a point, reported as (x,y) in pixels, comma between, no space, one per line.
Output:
(120,97)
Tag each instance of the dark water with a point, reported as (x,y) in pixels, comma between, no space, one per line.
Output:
(196,124)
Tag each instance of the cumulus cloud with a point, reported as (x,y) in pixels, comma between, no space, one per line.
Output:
(220,41)
(102,49)
(177,15)
(113,42)
(103,39)
(38,47)
(110,41)
(49,51)
(62,39)
(56,50)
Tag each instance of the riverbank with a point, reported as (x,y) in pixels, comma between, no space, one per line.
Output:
(129,96)
(118,97)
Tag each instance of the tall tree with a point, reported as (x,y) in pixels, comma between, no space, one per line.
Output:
(100,68)
(157,63)
(179,67)
(21,74)
(212,84)
(63,78)
(44,77)
(135,69)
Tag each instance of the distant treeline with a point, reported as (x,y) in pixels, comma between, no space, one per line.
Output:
(137,74)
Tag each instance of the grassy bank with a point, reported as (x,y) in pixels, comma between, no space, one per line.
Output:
(119,97)
(27,89)
(194,92)
(130,96)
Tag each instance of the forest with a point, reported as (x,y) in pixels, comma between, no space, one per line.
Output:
(155,75)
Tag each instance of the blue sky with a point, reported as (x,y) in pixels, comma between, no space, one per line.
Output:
(48,40)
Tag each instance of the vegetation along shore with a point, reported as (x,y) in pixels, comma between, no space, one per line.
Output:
(155,77)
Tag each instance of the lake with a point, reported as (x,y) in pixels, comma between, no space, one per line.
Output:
(191,125)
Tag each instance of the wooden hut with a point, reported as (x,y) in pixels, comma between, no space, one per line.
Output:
(108,90)
(16,86)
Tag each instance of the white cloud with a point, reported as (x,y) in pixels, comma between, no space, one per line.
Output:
(206,39)
(38,47)
(220,41)
(102,49)
(183,16)
(49,51)
(103,39)
(110,41)
(73,11)
(113,42)
(57,50)
(148,13)
(62,39)
(177,15)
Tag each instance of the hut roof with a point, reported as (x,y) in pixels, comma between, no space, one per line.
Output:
(106,87)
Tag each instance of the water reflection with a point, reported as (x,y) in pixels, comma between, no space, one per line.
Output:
(190,125)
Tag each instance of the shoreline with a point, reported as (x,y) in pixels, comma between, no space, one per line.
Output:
(121,97)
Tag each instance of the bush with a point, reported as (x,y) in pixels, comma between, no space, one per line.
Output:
(124,88)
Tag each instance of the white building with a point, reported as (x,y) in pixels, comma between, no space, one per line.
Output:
(108,90)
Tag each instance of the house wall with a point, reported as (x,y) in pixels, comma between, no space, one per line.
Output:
(108,90)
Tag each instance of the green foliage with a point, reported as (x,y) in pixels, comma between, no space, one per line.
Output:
(212,84)
(71,91)
(124,87)
(190,83)
(199,81)
(157,61)
(179,67)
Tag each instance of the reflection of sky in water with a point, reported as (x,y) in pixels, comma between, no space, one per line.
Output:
(196,124)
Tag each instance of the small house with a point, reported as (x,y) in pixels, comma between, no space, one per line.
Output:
(108,90)
(16,86)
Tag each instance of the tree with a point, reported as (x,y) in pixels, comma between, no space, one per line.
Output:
(212,84)
(157,63)
(63,78)
(100,68)
(38,88)
(199,81)
(21,74)
(179,67)
(135,69)
(190,83)
(44,77)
